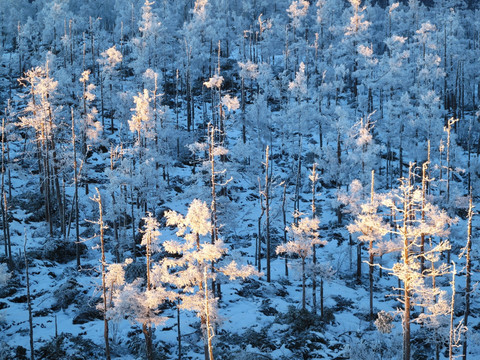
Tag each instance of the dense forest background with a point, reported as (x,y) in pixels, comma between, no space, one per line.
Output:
(239,179)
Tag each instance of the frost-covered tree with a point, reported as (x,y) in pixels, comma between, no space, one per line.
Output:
(297,12)
(413,217)
(304,236)
(104,305)
(109,61)
(191,267)
(396,109)
(214,83)
(41,118)
(216,174)
(90,128)
(248,71)
(354,36)
(467,252)
(142,119)
(298,88)
(364,149)
(52,17)
(139,300)
(408,204)
(351,203)
(147,47)
(371,227)
(195,46)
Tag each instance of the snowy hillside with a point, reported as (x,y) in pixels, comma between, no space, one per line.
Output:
(220,179)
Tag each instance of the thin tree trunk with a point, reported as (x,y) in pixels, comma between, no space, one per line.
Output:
(29,301)
(244,127)
(468,274)
(359,261)
(6,224)
(370,251)
(303,283)
(298,183)
(258,255)
(46,171)
(406,289)
(102,108)
(321,299)
(213,206)
(146,326)
(209,326)
(147,333)
(75,179)
(56,180)
(313,178)
(189,99)
(451,122)
(115,219)
(422,236)
(284,213)
(134,245)
(267,212)
(7,144)
(98,200)
(179,333)
(400,156)
(452,313)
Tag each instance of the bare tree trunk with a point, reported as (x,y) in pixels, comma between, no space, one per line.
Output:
(176,111)
(115,220)
(147,333)
(298,183)
(146,326)
(6,224)
(189,99)
(452,313)
(370,252)
(359,261)
(5,240)
(303,283)
(422,236)
(451,122)
(75,179)
(284,213)
(468,273)
(267,212)
(8,170)
(56,177)
(46,171)
(134,245)
(321,299)
(102,108)
(258,257)
(314,179)
(350,255)
(209,327)
(400,156)
(29,301)
(213,206)
(244,127)
(406,285)
(179,333)
(98,200)
(92,46)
